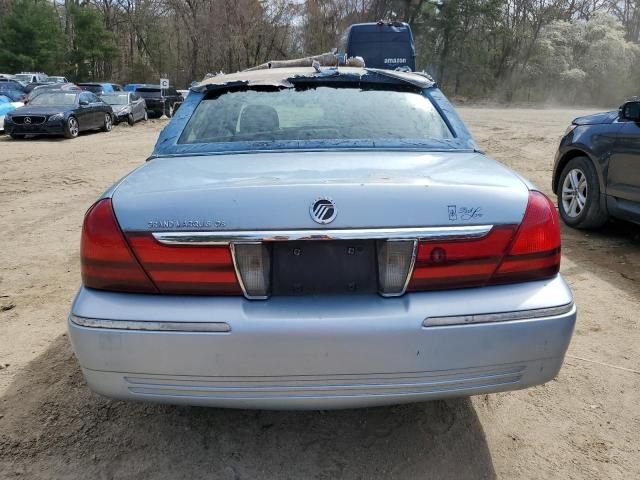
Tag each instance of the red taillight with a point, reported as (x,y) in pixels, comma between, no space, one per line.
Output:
(535,251)
(106,260)
(459,263)
(508,254)
(203,270)
(140,264)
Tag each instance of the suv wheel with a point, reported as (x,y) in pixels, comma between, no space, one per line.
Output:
(71,128)
(579,195)
(16,136)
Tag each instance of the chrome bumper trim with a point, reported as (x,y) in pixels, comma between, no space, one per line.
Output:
(227,237)
(203,327)
(498,317)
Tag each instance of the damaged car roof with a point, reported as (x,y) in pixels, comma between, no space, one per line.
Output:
(288,77)
(291,77)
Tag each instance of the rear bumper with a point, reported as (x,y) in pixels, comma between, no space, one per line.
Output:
(319,353)
(155,106)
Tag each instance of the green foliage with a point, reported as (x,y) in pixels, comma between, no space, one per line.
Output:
(514,50)
(31,38)
(453,42)
(93,44)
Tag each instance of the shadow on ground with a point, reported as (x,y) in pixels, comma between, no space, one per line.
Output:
(614,248)
(52,426)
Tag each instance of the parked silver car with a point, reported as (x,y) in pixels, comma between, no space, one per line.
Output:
(319,238)
(127,106)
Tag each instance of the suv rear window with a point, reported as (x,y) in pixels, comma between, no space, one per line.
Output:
(323,113)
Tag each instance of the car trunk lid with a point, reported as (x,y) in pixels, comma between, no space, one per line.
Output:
(275,191)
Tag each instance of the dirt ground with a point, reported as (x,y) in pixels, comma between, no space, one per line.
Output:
(584,424)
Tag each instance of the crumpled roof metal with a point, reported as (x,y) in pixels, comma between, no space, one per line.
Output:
(286,77)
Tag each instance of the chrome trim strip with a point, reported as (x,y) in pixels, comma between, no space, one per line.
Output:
(202,327)
(227,237)
(498,317)
(239,275)
(409,272)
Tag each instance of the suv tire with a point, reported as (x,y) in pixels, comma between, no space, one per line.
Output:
(579,195)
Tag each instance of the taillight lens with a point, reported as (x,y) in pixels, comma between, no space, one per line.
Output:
(459,263)
(107,263)
(508,254)
(535,251)
(138,263)
(201,270)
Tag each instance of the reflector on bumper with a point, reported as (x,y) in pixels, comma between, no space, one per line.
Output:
(206,327)
(498,317)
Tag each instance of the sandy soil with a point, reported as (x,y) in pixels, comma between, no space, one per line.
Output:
(584,424)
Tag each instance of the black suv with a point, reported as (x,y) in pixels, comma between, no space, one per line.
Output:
(160,100)
(596,174)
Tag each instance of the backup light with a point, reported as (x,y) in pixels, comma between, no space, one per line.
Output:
(395,262)
(253,266)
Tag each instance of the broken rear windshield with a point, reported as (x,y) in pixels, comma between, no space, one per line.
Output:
(324,113)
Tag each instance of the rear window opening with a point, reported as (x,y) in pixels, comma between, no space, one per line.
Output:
(91,88)
(322,113)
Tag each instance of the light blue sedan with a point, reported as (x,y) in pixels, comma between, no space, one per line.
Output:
(6,106)
(319,238)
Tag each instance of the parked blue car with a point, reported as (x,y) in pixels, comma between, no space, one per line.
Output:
(6,105)
(14,92)
(319,239)
(100,88)
(132,87)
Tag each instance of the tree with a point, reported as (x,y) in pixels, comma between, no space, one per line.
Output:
(92,47)
(31,38)
(586,60)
